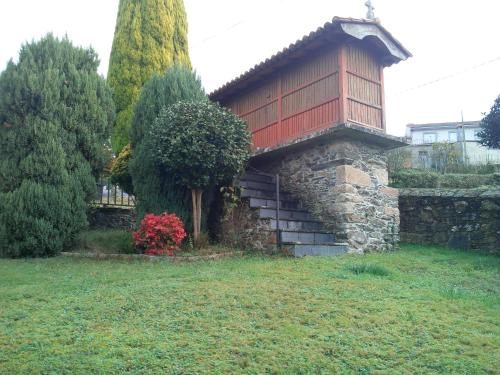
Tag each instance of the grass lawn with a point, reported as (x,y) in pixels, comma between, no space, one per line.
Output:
(419,310)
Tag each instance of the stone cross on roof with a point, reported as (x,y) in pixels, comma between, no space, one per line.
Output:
(369,13)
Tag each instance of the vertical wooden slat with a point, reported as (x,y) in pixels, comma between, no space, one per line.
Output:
(382,98)
(342,85)
(280,108)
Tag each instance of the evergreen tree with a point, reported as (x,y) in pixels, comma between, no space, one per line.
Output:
(150,36)
(490,126)
(55,118)
(154,188)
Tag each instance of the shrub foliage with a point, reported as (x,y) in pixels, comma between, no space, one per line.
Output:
(149,37)
(202,145)
(55,118)
(159,234)
(490,124)
(424,178)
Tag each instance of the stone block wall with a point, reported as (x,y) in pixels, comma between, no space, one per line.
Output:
(343,182)
(458,218)
(112,217)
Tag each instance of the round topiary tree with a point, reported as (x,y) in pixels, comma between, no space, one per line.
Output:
(55,119)
(154,188)
(201,144)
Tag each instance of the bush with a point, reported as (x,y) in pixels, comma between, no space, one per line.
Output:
(464,181)
(159,234)
(398,158)
(408,178)
(422,178)
(55,117)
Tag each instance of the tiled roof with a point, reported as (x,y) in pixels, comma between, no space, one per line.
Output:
(279,59)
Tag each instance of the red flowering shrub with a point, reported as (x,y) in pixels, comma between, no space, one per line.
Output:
(159,234)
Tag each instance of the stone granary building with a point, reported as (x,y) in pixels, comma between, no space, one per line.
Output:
(316,114)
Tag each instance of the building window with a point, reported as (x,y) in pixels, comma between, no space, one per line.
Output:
(430,137)
(452,136)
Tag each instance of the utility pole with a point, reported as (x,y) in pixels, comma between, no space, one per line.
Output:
(461,128)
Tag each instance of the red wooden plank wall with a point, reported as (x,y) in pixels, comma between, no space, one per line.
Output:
(300,100)
(308,97)
(364,88)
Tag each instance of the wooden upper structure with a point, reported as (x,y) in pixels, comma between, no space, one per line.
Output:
(332,76)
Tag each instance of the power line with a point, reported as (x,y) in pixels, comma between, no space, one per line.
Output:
(217,34)
(467,70)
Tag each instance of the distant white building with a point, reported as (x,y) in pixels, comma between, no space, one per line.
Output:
(464,135)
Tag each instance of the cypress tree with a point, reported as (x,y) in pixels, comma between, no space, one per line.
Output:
(55,118)
(150,36)
(155,188)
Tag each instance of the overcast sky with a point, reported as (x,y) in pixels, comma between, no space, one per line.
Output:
(455,68)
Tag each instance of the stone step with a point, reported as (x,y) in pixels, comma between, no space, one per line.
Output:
(309,238)
(256,193)
(271,203)
(299,225)
(253,176)
(300,250)
(257,185)
(287,214)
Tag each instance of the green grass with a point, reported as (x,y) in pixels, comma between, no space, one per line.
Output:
(109,241)
(119,241)
(433,311)
(372,269)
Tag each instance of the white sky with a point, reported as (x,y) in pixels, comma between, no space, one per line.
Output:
(452,39)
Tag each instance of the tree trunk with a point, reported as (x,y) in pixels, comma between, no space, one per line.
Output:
(196,195)
(198,220)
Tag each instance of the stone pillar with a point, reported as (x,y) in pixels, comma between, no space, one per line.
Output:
(366,210)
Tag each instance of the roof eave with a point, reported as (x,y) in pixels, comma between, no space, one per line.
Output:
(354,28)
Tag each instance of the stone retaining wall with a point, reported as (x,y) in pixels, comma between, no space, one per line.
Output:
(112,217)
(457,218)
(343,182)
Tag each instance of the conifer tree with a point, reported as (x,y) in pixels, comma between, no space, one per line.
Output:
(150,36)
(55,119)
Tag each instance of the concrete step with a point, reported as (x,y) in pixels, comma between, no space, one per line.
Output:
(271,203)
(256,193)
(257,185)
(309,238)
(298,225)
(301,250)
(286,214)
(252,176)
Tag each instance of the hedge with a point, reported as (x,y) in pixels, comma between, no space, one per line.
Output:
(418,178)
